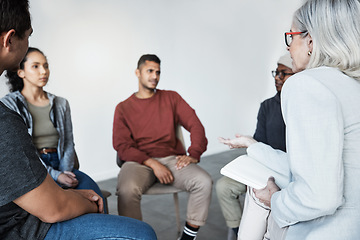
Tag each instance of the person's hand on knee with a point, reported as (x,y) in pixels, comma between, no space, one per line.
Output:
(92,197)
(68,179)
(162,173)
(184,160)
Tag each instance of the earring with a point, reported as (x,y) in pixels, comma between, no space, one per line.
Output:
(309,53)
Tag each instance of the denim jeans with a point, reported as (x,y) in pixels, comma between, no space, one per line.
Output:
(101,226)
(85,182)
(51,159)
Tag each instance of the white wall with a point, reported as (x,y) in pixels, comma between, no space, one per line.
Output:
(217,54)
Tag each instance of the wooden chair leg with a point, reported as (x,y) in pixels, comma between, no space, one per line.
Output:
(177,212)
(106,194)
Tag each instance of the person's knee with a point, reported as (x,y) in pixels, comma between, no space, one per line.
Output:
(129,189)
(221,187)
(81,176)
(228,187)
(148,231)
(205,182)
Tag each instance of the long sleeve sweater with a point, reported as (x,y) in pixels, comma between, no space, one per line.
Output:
(270,128)
(146,128)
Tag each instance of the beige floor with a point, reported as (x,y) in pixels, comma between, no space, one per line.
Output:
(159,212)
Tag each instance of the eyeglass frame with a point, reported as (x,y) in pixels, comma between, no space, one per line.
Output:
(290,34)
(281,74)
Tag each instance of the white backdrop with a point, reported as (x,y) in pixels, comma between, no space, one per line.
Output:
(217,54)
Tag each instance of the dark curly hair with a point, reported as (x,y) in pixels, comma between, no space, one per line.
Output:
(15,82)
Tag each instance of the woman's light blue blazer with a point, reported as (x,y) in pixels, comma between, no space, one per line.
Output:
(321,110)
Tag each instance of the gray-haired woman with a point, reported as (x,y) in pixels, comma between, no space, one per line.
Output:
(321,109)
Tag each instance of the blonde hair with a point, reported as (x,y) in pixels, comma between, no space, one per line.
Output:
(334,26)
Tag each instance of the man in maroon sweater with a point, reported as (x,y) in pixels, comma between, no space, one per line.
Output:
(144,136)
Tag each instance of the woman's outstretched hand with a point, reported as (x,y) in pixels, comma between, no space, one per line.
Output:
(240,141)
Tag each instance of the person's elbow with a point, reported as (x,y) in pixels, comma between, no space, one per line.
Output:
(327,205)
(50,219)
(54,214)
(332,205)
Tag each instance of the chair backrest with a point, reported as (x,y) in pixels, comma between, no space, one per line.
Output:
(179,135)
(76,162)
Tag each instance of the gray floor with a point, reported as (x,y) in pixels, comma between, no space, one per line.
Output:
(159,212)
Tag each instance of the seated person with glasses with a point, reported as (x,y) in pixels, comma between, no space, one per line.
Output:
(270,130)
(320,105)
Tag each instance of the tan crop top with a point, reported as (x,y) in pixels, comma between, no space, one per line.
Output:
(44,134)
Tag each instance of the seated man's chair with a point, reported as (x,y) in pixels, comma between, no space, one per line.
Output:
(159,188)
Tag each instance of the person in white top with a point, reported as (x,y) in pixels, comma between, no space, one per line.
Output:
(321,110)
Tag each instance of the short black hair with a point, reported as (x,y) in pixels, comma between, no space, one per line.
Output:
(148,57)
(14,14)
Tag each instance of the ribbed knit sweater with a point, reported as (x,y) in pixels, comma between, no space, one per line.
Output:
(146,128)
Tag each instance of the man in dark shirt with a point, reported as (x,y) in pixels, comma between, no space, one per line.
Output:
(32,205)
(270,129)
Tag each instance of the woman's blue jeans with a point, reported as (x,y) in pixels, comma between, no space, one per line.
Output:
(101,226)
(85,182)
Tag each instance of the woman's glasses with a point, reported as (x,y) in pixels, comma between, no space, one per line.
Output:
(289,37)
